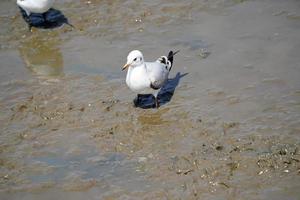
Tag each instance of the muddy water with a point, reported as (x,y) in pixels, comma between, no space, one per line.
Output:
(230,130)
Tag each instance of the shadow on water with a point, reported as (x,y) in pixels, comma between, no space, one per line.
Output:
(165,95)
(51,19)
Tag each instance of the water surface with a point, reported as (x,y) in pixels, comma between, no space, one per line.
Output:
(69,129)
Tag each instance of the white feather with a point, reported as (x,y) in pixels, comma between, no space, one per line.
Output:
(35,6)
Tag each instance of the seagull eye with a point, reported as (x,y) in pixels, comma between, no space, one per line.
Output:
(134,59)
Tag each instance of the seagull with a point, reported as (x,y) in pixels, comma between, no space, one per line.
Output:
(35,6)
(147,77)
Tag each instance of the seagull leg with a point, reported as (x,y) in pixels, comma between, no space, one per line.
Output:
(156,102)
(44,16)
(155,94)
(137,100)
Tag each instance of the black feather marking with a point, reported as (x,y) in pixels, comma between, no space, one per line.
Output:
(170,57)
(164,60)
(154,87)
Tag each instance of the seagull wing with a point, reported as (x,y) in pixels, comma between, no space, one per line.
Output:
(158,73)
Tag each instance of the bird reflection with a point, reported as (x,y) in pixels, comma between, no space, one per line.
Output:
(153,118)
(42,56)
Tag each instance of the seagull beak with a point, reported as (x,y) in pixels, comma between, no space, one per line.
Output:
(126,66)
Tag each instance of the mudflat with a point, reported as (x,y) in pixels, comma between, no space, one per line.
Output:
(229,130)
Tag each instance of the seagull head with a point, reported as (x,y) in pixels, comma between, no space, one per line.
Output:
(134,58)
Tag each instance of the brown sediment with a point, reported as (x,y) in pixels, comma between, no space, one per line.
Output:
(229,130)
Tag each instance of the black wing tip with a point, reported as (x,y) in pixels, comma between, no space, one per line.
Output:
(171,53)
(170,57)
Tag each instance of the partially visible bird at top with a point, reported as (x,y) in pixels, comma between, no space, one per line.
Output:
(35,6)
(147,77)
(40,14)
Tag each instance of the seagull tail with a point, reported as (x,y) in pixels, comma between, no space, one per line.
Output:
(170,58)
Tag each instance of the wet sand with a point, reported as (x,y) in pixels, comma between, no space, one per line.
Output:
(230,130)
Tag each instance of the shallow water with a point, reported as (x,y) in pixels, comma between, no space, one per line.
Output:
(230,130)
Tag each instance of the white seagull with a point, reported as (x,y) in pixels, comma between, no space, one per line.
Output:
(147,77)
(35,6)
